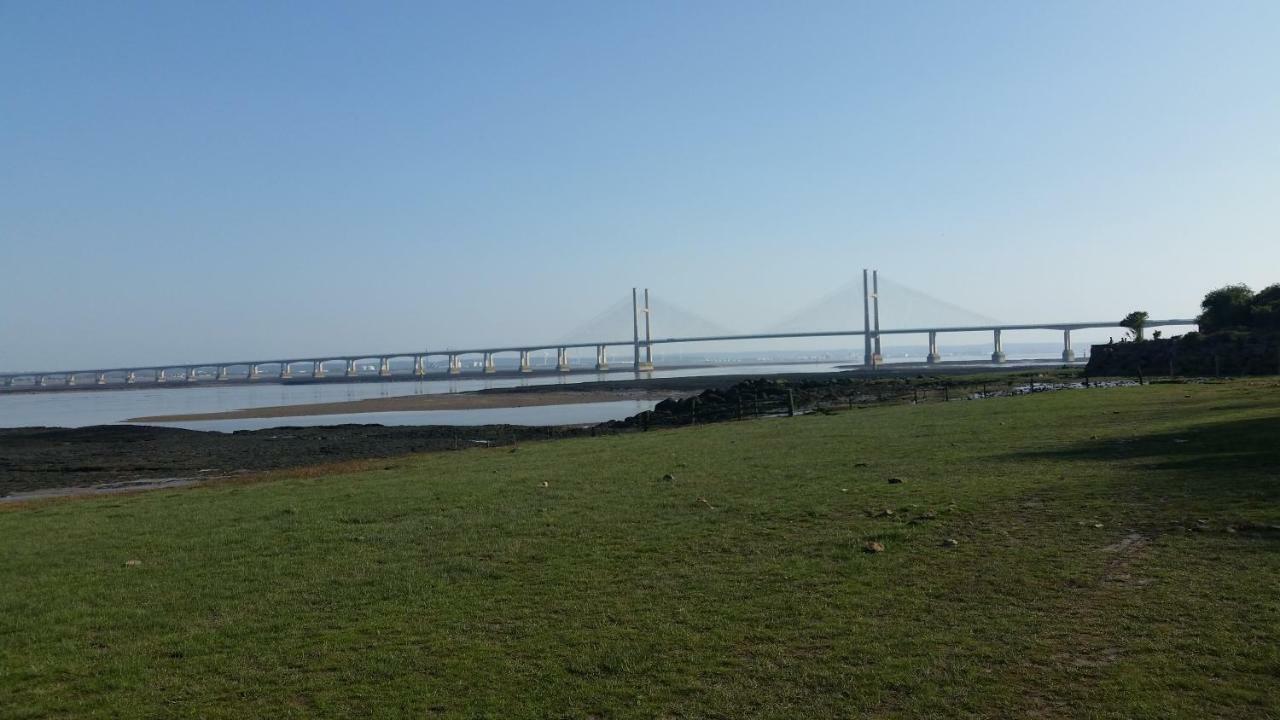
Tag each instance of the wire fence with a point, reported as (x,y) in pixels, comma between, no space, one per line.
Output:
(765,399)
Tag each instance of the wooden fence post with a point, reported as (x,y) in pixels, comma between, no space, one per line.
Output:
(791,402)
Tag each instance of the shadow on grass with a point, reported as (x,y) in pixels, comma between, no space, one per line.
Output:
(1252,443)
(1228,469)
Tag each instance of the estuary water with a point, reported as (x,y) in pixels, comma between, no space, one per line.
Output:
(104,407)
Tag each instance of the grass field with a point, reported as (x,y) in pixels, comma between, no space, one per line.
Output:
(1115,558)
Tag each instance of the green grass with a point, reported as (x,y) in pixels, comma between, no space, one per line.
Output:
(456,585)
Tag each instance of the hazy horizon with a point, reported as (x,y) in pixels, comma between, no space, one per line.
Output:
(183,182)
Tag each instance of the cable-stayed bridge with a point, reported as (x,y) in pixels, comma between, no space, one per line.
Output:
(911,312)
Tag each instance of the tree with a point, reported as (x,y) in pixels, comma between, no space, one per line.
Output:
(1135,321)
(1264,310)
(1227,308)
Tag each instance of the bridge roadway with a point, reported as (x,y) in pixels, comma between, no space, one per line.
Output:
(252,369)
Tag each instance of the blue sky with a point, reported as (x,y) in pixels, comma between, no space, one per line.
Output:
(197,181)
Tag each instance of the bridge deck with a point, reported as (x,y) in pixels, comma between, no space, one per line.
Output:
(614,343)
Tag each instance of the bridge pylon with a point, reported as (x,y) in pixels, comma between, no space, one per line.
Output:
(871,356)
(646,363)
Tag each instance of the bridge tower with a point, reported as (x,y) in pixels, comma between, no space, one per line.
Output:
(867,357)
(871,356)
(876,357)
(647,362)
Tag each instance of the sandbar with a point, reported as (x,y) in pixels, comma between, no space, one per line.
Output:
(410,403)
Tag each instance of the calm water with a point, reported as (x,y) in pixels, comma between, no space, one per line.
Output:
(103,407)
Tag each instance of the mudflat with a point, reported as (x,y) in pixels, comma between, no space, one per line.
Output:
(402,403)
(42,459)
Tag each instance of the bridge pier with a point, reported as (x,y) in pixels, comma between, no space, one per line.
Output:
(602,358)
(253,373)
(525,365)
(41,380)
(222,373)
(160,376)
(130,377)
(384,367)
(455,364)
(419,365)
(562,359)
(70,379)
(102,379)
(997,354)
(1068,355)
(317,369)
(286,371)
(351,368)
(489,365)
(933,356)
(190,374)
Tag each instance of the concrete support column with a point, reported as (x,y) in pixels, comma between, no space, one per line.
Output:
(253,372)
(42,380)
(1068,355)
(351,368)
(160,376)
(602,358)
(317,369)
(286,371)
(222,372)
(71,378)
(562,359)
(191,374)
(525,365)
(997,354)
(933,347)
(384,367)
(455,364)
(489,365)
(130,377)
(102,378)
(419,365)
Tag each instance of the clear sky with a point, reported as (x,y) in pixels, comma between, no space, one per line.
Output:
(203,181)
